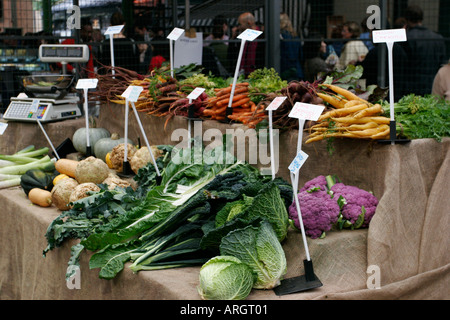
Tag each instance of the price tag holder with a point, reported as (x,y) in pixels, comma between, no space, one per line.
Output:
(87,83)
(276,103)
(249,35)
(175,34)
(306,111)
(195,93)
(132,93)
(391,35)
(298,162)
(114,30)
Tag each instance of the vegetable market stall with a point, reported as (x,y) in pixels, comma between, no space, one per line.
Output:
(406,238)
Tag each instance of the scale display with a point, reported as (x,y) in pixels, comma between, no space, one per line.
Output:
(64,53)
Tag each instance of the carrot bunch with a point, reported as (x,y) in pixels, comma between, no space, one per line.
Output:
(242,106)
(352,117)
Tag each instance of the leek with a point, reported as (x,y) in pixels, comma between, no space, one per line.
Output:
(12,167)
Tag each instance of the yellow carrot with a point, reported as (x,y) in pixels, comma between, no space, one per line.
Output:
(342,112)
(364,126)
(350,119)
(369,111)
(334,101)
(343,92)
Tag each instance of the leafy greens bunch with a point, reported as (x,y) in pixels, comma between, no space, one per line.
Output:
(419,117)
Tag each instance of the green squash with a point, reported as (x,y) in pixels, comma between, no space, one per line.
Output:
(95,134)
(105,145)
(36,178)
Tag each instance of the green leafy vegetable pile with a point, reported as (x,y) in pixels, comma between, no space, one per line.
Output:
(176,223)
(264,81)
(419,117)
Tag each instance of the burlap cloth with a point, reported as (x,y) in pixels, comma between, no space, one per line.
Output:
(406,240)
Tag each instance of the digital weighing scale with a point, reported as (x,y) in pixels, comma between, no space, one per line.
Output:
(45,97)
(23,109)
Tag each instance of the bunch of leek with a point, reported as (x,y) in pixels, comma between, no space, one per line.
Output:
(12,167)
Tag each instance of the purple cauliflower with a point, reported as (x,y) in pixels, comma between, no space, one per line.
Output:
(355,198)
(319,212)
(319,181)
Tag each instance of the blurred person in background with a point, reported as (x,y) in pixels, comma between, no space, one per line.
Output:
(253,55)
(219,26)
(126,52)
(315,54)
(290,51)
(142,37)
(425,50)
(441,82)
(354,49)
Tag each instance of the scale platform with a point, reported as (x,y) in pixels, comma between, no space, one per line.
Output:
(23,109)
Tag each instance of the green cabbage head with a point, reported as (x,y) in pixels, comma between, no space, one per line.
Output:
(259,248)
(225,278)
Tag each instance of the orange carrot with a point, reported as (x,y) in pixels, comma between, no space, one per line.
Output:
(240,102)
(235,98)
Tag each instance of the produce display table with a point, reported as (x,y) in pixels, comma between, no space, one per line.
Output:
(407,238)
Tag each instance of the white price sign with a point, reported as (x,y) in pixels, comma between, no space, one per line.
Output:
(195,93)
(276,103)
(114,29)
(87,83)
(132,93)
(249,35)
(175,34)
(306,111)
(391,35)
(298,162)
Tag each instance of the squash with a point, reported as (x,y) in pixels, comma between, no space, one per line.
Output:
(59,177)
(103,146)
(95,134)
(66,166)
(36,178)
(40,197)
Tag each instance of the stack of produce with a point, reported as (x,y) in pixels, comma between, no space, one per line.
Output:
(194,214)
(352,117)
(242,106)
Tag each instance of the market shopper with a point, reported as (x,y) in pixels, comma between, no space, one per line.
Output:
(126,52)
(253,55)
(142,35)
(426,52)
(314,50)
(290,51)
(215,58)
(219,26)
(354,49)
(441,83)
